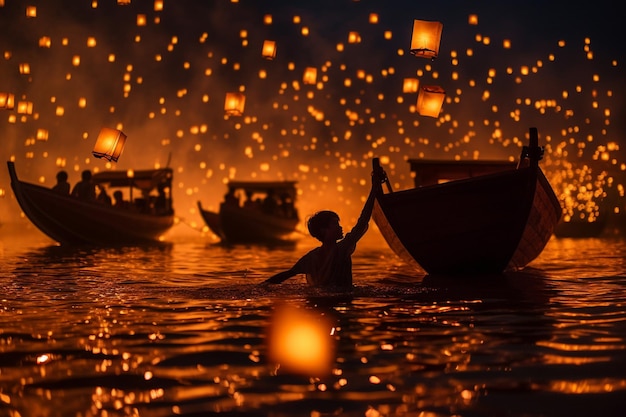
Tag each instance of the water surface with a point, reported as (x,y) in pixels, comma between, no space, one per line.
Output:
(182,329)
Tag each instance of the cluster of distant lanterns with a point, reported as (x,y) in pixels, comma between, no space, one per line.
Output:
(425,41)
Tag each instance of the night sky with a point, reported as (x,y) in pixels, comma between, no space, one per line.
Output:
(164,83)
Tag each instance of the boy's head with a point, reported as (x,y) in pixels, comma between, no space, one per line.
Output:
(321,221)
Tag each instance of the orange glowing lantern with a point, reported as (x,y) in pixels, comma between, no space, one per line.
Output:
(25,107)
(123,2)
(234,104)
(430,100)
(42,134)
(109,144)
(410,85)
(300,342)
(310,75)
(269,50)
(426,38)
(7,101)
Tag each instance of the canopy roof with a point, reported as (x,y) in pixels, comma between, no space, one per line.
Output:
(145,180)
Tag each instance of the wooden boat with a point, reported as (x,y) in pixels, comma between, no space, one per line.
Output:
(499,218)
(255,212)
(71,221)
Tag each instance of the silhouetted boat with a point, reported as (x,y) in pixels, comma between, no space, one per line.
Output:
(267,214)
(71,221)
(500,217)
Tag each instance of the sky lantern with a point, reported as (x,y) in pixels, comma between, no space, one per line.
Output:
(310,75)
(269,50)
(42,134)
(430,100)
(234,104)
(410,85)
(426,38)
(7,101)
(110,144)
(25,107)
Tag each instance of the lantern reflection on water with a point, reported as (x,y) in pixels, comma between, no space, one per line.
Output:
(426,38)
(430,100)
(234,104)
(109,144)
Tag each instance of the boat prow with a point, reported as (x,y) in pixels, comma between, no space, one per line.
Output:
(485,224)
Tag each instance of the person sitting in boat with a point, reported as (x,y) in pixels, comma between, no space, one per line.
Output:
(161,203)
(251,203)
(118,196)
(269,204)
(103,196)
(85,189)
(62,186)
(287,206)
(230,198)
(330,265)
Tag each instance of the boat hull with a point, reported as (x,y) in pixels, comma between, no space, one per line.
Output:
(69,221)
(245,225)
(482,225)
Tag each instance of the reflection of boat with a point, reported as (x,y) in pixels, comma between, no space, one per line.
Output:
(268,213)
(70,221)
(495,219)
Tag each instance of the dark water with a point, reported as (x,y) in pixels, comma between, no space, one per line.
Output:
(182,329)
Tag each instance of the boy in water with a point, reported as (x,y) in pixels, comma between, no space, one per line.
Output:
(330,265)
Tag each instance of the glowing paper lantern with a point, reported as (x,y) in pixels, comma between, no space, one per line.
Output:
(410,85)
(269,50)
(25,107)
(234,104)
(426,38)
(42,134)
(7,101)
(430,100)
(109,144)
(300,342)
(310,75)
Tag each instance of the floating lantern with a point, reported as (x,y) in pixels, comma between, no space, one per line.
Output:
(310,75)
(300,341)
(42,134)
(25,107)
(123,2)
(109,144)
(426,38)
(7,101)
(234,104)
(269,50)
(430,100)
(410,85)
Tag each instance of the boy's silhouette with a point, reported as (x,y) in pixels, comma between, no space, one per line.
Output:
(330,265)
